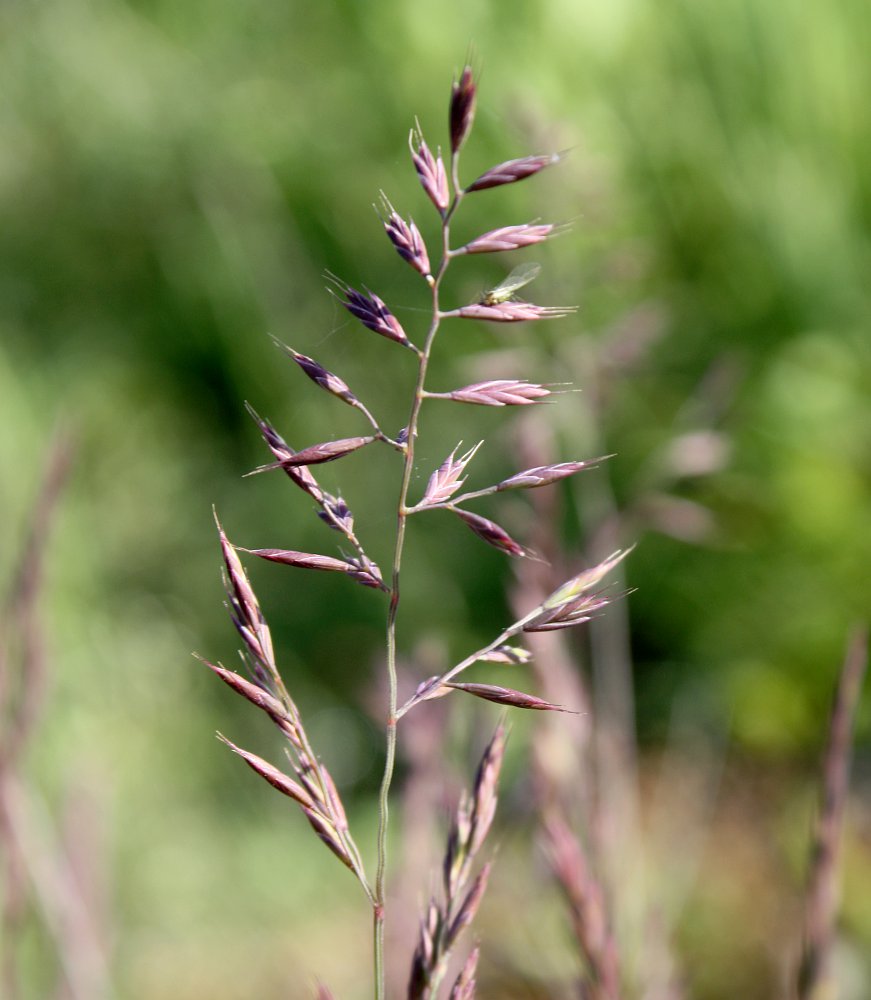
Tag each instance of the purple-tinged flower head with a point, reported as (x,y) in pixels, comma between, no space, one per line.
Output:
(513,170)
(243,604)
(260,695)
(405,236)
(336,514)
(320,376)
(576,601)
(515,655)
(324,827)
(456,860)
(508,696)
(425,953)
(446,479)
(510,312)
(462,110)
(430,171)
(304,560)
(465,984)
(544,475)
(576,611)
(509,238)
(367,573)
(586,579)
(500,392)
(468,907)
(373,313)
(316,454)
(485,792)
(327,451)
(491,533)
(283,453)
(287,786)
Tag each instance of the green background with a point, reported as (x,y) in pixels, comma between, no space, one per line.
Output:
(175,179)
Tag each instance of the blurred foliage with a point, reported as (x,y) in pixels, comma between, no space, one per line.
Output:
(174,181)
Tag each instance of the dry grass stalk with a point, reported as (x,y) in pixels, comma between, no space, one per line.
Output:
(37,868)
(587,904)
(814,980)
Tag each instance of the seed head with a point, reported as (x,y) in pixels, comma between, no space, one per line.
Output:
(514,655)
(469,907)
(320,376)
(464,986)
(500,392)
(336,514)
(576,601)
(462,110)
(445,481)
(284,784)
(372,313)
(510,312)
(513,170)
(366,573)
(491,533)
(510,238)
(507,696)
(305,560)
(283,453)
(430,171)
(328,451)
(405,236)
(543,475)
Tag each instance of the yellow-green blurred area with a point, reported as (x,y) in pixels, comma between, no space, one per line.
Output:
(175,181)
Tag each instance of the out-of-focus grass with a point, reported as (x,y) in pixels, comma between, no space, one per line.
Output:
(174,179)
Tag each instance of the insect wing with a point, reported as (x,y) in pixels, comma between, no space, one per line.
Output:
(520,276)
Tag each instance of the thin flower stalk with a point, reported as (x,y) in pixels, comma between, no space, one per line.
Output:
(434,687)
(393,609)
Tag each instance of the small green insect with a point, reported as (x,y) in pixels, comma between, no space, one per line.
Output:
(520,276)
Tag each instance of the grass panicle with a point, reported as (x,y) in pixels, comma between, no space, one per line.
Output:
(309,784)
